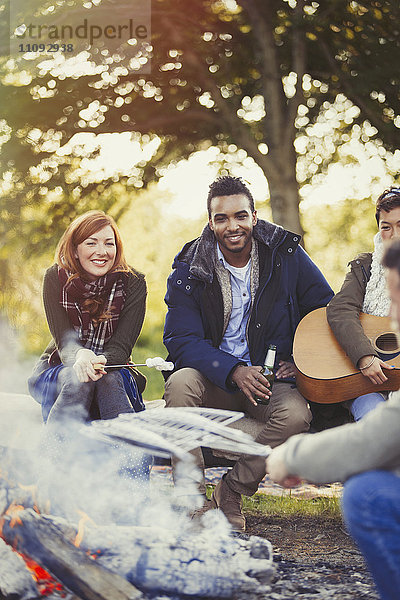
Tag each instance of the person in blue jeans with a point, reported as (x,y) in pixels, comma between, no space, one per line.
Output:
(364,290)
(371,512)
(366,456)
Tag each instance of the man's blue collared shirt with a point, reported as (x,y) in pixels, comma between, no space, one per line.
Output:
(234,341)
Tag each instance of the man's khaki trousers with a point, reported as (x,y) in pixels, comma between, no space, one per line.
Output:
(286,414)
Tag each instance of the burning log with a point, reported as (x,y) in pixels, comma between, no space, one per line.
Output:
(192,560)
(206,564)
(15,579)
(40,538)
(201,560)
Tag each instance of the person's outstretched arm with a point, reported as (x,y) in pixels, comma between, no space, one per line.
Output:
(339,453)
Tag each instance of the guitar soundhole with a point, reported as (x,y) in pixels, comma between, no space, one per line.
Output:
(387,343)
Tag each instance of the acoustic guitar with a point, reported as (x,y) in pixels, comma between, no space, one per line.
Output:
(325,374)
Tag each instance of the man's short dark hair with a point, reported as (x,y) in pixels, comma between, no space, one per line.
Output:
(387,201)
(228,186)
(391,257)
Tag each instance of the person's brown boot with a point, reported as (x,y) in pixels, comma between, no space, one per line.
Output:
(230,503)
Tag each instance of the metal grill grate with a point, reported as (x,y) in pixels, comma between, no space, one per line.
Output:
(176,431)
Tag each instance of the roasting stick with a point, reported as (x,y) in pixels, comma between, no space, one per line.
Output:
(99,366)
(157,362)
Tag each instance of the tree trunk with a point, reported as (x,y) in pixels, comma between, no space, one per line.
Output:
(285,203)
(283,189)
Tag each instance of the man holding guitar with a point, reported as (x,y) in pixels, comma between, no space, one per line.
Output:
(366,455)
(364,290)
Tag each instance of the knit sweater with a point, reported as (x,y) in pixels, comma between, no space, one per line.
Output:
(118,348)
(340,453)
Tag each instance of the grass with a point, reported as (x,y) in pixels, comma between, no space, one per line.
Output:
(287,505)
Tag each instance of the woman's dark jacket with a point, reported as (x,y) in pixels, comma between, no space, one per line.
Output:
(117,349)
(343,312)
(290,285)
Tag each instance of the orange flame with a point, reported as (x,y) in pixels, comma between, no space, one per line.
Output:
(81,527)
(13,511)
(46,583)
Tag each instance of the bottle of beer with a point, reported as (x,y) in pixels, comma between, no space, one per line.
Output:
(268,371)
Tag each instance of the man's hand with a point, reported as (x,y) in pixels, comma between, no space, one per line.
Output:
(251,382)
(374,368)
(277,470)
(84,365)
(286,369)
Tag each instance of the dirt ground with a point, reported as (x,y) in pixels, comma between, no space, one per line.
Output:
(315,558)
(305,538)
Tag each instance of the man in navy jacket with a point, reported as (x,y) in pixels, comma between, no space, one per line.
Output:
(242,285)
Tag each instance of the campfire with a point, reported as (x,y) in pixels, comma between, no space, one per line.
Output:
(74,530)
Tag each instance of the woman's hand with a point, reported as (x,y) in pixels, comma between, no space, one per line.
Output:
(83,366)
(286,369)
(371,367)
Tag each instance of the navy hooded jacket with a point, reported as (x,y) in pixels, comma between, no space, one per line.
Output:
(290,286)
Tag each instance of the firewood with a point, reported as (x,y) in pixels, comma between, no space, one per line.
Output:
(201,561)
(40,538)
(15,579)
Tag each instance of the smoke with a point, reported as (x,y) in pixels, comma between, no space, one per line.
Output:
(73,473)
(138,528)
(14,370)
(106,482)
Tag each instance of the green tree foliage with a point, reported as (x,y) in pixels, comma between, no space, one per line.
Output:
(286,82)
(337,233)
(248,74)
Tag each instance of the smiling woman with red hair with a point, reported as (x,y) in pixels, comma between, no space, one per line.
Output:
(95,306)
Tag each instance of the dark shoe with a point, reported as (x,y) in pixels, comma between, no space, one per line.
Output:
(230,503)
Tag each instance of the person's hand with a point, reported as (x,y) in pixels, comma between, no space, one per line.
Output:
(251,382)
(374,368)
(286,369)
(84,365)
(277,470)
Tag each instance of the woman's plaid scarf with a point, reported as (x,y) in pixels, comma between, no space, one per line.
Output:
(111,288)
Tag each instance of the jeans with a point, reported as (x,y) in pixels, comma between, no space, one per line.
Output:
(371,510)
(76,403)
(75,400)
(360,406)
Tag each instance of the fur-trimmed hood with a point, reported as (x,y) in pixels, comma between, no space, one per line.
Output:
(200,253)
